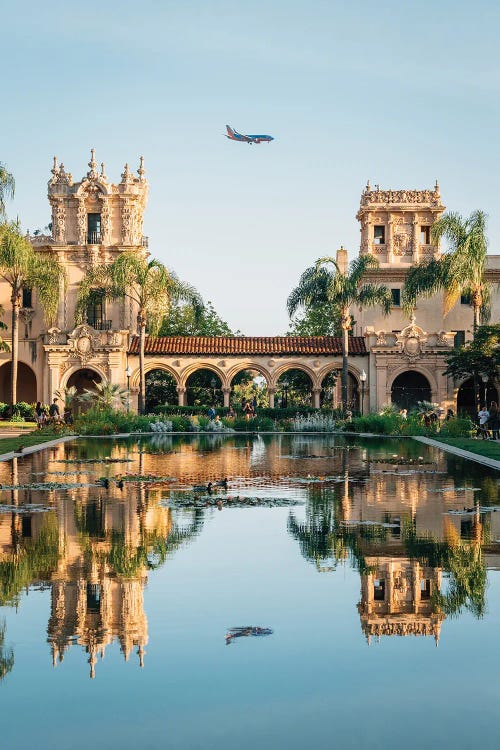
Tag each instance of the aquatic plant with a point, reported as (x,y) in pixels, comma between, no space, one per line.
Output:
(6,654)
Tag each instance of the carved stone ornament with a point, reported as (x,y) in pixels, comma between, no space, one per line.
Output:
(84,342)
(381,339)
(412,338)
(55,336)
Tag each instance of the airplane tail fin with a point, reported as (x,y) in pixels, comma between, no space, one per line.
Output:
(230,131)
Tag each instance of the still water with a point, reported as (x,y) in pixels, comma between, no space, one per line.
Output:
(374,563)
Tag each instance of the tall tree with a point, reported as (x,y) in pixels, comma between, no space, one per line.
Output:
(183,320)
(22,267)
(325,282)
(149,285)
(459,271)
(7,188)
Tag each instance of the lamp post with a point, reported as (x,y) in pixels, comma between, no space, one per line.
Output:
(285,393)
(363,377)
(213,384)
(485,379)
(128,373)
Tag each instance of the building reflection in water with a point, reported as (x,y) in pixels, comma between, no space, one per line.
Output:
(420,541)
(94,552)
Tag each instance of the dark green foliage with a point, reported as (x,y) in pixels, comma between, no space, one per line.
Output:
(482,355)
(183,321)
(258,424)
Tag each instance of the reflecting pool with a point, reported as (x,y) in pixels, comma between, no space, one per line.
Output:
(333,593)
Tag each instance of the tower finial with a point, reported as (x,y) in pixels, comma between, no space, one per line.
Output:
(126,174)
(103,172)
(55,168)
(141,171)
(368,186)
(436,188)
(92,164)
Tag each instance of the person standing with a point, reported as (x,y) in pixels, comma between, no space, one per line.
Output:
(39,415)
(494,420)
(482,416)
(54,412)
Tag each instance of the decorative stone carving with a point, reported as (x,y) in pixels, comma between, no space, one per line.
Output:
(81,222)
(59,221)
(105,221)
(114,338)
(412,338)
(381,339)
(127,221)
(371,197)
(56,336)
(84,342)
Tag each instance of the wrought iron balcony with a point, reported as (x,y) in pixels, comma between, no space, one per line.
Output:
(94,238)
(99,324)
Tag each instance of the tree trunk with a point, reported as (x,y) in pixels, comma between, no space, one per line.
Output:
(142,375)
(475,325)
(346,324)
(15,346)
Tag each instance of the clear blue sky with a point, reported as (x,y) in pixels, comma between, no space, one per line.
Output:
(396,92)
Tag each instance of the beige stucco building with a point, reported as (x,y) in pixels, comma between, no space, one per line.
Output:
(94,220)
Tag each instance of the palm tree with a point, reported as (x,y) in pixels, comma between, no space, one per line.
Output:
(149,285)
(68,396)
(461,271)
(105,396)
(21,266)
(7,188)
(325,282)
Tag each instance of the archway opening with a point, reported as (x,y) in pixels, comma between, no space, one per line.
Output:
(83,380)
(328,396)
(161,389)
(466,400)
(409,388)
(26,383)
(249,386)
(203,388)
(294,388)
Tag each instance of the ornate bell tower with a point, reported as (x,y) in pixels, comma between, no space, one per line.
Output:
(396,224)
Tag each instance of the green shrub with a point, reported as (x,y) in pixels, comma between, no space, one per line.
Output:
(24,410)
(457,427)
(258,424)
(387,423)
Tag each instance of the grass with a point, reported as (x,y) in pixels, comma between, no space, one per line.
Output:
(30,438)
(488,448)
(8,425)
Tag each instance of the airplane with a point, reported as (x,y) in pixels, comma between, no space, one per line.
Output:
(234,136)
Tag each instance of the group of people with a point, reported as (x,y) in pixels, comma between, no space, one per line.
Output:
(249,409)
(45,415)
(488,420)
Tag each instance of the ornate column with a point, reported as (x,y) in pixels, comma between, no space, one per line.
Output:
(390,239)
(316,397)
(416,238)
(81,222)
(226,392)
(271,392)
(181,392)
(105,221)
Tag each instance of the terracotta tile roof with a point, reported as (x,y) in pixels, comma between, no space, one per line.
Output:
(241,345)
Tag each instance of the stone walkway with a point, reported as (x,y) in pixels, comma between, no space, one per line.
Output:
(491,462)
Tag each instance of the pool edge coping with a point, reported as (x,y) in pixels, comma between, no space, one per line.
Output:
(493,463)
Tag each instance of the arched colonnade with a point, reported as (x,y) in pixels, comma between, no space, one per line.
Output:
(226,371)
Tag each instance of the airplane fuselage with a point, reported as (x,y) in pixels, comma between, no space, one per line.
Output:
(233,135)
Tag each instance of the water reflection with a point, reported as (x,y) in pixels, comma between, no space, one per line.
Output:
(421,531)
(421,537)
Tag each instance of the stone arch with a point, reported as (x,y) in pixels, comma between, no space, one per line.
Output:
(247,365)
(153,365)
(201,365)
(410,386)
(194,391)
(418,368)
(27,386)
(73,370)
(295,366)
